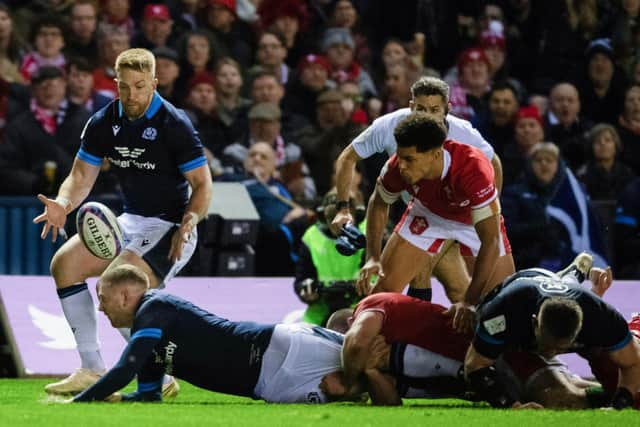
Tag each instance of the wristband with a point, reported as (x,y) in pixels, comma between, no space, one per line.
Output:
(342,204)
(66,203)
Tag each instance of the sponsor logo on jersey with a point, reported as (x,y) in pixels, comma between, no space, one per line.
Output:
(124,164)
(169,352)
(418,225)
(495,325)
(150,134)
(115,129)
(133,153)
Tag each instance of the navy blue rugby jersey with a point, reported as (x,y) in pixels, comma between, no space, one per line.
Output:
(149,155)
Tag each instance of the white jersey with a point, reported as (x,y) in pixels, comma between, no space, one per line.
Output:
(298,357)
(378,137)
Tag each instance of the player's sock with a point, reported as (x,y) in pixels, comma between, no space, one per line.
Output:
(423,294)
(126,333)
(78,308)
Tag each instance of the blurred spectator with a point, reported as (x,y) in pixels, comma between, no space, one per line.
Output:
(324,278)
(282,221)
(115,17)
(312,77)
(528,133)
(565,127)
(338,45)
(324,141)
(267,88)
(188,18)
(627,232)
(82,40)
(291,19)
(47,37)
(11,48)
(110,44)
(493,42)
(629,129)
(80,86)
(42,142)
(626,31)
(352,103)
(167,72)
(227,34)
(602,91)
(605,176)
(345,15)
(14,99)
(541,102)
(202,108)
(396,93)
(548,215)
(271,54)
(523,29)
(497,126)
(26,13)
(472,84)
(196,51)
(155,28)
(232,107)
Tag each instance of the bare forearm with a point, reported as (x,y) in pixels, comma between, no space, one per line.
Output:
(344,171)
(200,200)
(78,184)
(382,389)
(483,270)
(377,215)
(354,360)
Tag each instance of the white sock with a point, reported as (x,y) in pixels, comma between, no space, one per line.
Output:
(78,308)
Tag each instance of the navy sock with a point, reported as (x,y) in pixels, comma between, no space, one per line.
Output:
(423,294)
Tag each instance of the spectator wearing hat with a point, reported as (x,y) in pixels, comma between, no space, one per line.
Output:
(80,89)
(497,125)
(466,94)
(265,125)
(167,72)
(629,129)
(266,87)
(202,108)
(110,45)
(155,28)
(602,89)
(271,53)
(47,36)
(529,131)
(493,42)
(605,176)
(232,107)
(311,78)
(41,143)
(82,40)
(230,36)
(115,17)
(338,46)
(565,127)
(345,15)
(289,18)
(323,141)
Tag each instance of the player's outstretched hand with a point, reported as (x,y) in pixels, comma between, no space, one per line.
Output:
(464,317)
(182,235)
(528,405)
(54,215)
(341,218)
(601,280)
(370,268)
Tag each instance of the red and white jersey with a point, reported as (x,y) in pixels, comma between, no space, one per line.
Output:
(410,320)
(467,182)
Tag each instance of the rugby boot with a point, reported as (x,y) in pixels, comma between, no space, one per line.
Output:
(579,267)
(78,381)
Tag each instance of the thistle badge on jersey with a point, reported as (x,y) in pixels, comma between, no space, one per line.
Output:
(150,134)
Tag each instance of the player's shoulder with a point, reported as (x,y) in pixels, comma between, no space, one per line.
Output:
(465,156)
(391,120)
(175,117)
(155,301)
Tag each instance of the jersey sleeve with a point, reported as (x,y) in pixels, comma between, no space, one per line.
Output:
(477,182)
(186,144)
(378,137)
(93,146)
(390,182)
(462,131)
(490,335)
(603,326)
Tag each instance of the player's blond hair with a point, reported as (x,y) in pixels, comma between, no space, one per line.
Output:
(124,274)
(138,60)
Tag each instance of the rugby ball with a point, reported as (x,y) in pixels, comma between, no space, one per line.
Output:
(99,230)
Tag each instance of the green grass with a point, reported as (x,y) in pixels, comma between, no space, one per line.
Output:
(24,403)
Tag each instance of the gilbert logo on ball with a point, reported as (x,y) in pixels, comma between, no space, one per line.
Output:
(99,231)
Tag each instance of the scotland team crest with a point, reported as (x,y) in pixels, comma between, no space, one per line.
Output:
(150,134)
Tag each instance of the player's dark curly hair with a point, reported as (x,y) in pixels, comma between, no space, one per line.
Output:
(426,86)
(560,318)
(421,131)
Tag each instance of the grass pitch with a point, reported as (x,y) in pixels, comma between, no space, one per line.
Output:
(24,403)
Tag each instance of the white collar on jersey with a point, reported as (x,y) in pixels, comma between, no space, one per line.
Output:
(446,162)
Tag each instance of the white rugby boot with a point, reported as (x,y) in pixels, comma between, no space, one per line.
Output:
(78,381)
(171,388)
(579,267)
